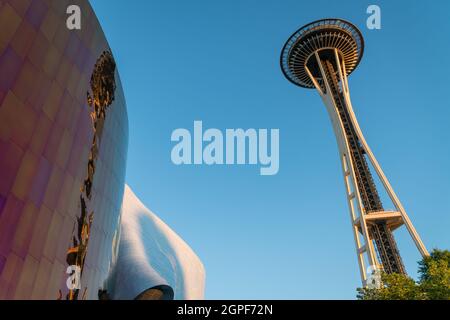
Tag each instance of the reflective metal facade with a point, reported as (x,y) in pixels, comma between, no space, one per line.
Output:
(52,148)
(153,261)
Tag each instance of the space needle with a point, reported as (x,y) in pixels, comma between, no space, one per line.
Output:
(321,55)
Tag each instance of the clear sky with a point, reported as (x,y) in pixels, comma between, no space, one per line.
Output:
(286,236)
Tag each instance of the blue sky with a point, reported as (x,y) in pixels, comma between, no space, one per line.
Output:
(286,236)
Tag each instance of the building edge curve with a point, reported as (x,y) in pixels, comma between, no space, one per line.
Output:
(152,256)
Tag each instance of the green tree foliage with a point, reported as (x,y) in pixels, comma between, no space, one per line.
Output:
(433,284)
(434,274)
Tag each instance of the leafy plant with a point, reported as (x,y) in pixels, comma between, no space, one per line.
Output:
(433,284)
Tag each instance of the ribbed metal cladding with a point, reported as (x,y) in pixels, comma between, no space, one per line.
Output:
(316,36)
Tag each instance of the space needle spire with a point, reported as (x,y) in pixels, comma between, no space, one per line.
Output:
(321,55)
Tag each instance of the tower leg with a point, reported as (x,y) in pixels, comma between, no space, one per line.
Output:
(390,191)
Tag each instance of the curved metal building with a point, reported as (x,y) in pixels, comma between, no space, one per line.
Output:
(153,261)
(63,150)
(63,147)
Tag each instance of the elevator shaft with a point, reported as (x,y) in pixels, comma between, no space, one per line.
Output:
(379,232)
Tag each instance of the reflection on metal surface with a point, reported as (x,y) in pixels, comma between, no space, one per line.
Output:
(103,86)
(156,293)
(153,256)
(62,165)
(48,152)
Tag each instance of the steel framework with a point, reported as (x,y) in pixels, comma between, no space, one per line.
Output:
(321,55)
